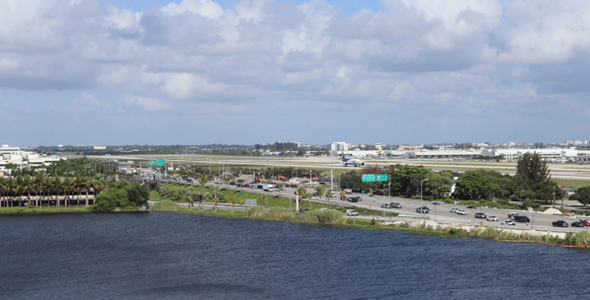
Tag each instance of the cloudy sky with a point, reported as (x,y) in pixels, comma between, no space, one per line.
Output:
(248,71)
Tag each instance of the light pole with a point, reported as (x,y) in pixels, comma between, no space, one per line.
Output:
(421,211)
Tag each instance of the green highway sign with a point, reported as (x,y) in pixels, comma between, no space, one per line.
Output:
(368,177)
(159,163)
(382,177)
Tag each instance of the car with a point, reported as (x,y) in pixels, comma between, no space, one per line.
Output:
(508,222)
(520,218)
(454,209)
(422,209)
(512,214)
(352,199)
(577,224)
(395,205)
(461,212)
(480,215)
(585,222)
(385,205)
(492,219)
(471,207)
(560,223)
(323,183)
(435,203)
(352,213)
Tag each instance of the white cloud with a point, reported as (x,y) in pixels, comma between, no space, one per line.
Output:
(474,56)
(205,8)
(147,103)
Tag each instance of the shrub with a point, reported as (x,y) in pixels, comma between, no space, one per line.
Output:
(166,205)
(256,212)
(308,217)
(278,214)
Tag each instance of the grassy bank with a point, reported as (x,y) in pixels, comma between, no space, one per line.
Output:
(271,200)
(334,218)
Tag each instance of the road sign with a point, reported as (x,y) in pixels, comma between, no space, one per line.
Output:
(368,177)
(381,177)
(159,163)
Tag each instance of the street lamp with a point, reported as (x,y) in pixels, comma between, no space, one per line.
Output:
(421,194)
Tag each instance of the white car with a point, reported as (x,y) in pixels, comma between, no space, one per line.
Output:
(508,222)
(461,212)
(492,219)
(352,212)
(454,209)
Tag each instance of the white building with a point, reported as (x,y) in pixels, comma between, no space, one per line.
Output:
(340,146)
(24,159)
(513,154)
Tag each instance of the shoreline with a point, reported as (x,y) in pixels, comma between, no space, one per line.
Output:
(580,240)
(24,210)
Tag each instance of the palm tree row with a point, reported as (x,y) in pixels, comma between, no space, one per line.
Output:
(25,189)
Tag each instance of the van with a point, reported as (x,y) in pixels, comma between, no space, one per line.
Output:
(519,218)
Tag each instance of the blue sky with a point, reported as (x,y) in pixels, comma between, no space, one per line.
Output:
(348,7)
(118,72)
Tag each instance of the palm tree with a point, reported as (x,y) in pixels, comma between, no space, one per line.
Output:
(262,198)
(27,185)
(216,200)
(12,188)
(329,195)
(309,195)
(206,196)
(233,199)
(299,193)
(39,183)
(189,196)
(203,180)
(2,190)
(55,184)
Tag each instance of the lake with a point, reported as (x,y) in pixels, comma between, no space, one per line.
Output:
(182,256)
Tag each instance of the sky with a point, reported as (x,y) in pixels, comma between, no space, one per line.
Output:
(117,72)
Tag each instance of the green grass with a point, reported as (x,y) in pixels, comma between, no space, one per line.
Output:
(245,194)
(44,210)
(167,205)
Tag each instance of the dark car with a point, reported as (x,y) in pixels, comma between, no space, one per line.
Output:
(472,207)
(577,224)
(480,215)
(422,209)
(352,199)
(395,205)
(560,223)
(519,218)
(435,203)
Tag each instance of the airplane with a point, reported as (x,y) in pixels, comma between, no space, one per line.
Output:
(351,161)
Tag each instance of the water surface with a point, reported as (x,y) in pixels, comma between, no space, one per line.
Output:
(181,256)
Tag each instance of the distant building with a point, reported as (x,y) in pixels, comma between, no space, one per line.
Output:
(512,154)
(279,146)
(340,146)
(99,147)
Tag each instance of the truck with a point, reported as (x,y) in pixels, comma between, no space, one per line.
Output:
(268,187)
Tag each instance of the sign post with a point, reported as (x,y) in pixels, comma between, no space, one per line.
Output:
(382,177)
(368,177)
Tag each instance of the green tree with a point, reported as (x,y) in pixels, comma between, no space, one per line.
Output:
(532,169)
(583,195)
(469,186)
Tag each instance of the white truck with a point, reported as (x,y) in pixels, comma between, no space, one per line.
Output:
(268,187)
